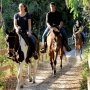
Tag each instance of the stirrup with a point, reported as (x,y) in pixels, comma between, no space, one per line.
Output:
(43,50)
(35,55)
(68,49)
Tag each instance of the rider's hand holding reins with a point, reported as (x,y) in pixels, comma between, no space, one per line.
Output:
(18,29)
(60,25)
(29,34)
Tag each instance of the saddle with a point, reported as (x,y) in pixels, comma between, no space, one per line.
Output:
(29,42)
(25,37)
(53,29)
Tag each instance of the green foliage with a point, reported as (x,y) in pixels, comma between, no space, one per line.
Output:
(38,10)
(85,71)
(84,76)
(2,85)
(2,38)
(75,4)
(3,58)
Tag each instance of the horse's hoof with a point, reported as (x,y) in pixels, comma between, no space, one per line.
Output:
(54,72)
(21,86)
(54,75)
(30,80)
(35,55)
(61,66)
(34,82)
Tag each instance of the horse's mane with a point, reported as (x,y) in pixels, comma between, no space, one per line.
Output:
(54,30)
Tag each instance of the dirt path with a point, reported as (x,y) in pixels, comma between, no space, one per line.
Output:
(66,79)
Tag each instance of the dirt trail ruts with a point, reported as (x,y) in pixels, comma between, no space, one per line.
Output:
(66,79)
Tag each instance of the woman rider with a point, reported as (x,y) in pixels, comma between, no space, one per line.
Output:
(22,20)
(78,28)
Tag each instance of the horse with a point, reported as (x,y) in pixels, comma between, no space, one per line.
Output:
(78,43)
(20,51)
(55,45)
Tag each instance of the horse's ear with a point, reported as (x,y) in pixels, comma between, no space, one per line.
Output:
(7,32)
(13,30)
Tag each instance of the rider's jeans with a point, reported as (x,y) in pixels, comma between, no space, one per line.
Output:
(62,30)
(32,39)
(64,34)
(45,34)
(83,34)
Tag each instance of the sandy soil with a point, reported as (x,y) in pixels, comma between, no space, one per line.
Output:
(66,79)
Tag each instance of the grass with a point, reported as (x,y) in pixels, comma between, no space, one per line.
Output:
(84,76)
(2,85)
(85,70)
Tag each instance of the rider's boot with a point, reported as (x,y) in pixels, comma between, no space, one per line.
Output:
(43,49)
(67,47)
(35,55)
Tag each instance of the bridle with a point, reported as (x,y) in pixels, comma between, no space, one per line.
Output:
(13,49)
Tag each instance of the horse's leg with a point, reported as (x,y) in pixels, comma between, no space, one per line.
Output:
(75,48)
(64,55)
(18,66)
(55,62)
(51,60)
(19,76)
(29,72)
(61,56)
(81,51)
(35,68)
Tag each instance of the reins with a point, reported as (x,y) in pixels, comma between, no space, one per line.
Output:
(13,49)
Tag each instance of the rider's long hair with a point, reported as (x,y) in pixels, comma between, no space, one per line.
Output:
(52,3)
(26,9)
(78,22)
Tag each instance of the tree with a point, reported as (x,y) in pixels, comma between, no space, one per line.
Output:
(75,4)
(38,10)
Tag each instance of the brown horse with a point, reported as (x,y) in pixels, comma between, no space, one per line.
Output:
(55,45)
(78,43)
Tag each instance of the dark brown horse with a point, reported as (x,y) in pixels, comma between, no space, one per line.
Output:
(78,43)
(20,51)
(55,45)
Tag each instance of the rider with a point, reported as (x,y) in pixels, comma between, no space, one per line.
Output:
(22,20)
(54,18)
(78,28)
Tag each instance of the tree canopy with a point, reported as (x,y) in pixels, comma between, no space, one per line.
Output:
(70,9)
(74,6)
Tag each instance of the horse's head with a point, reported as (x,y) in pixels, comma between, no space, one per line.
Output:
(55,35)
(55,30)
(77,36)
(10,42)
